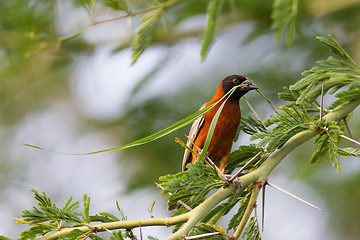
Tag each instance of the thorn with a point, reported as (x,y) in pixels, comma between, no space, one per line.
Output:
(141,238)
(350,139)
(322,100)
(252,109)
(201,235)
(349,131)
(179,201)
(292,195)
(108,230)
(263,208)
(243,167)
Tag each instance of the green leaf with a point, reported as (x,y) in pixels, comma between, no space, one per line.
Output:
(34,232)
(123,217)
(145,33)
(2,237)
(333,131)
(321,147)
(213,9)
(252,232)
(244,201)
(117,236)
(89,5)
(151,207)
(336,48)
(191,186)
(211,132)
(240,156)
(209,228)
(221,210)
(74,234)
(49,211)
(70,206)
(285,15)
(152,238)
(349,151)
(104,217)
(305,93)
(96,237)
(345,96)
(86,201)
(118,5)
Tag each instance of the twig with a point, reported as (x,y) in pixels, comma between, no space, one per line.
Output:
(322,100)
(292,195)
(201,235)
(179,201)
(349,131)
(243,167)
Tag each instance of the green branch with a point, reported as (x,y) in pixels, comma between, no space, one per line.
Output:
(263,171)
(193,217)
(127,224)
(251,205)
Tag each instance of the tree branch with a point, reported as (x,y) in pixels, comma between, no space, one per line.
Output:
(127,224)
(251,205)
(193,217)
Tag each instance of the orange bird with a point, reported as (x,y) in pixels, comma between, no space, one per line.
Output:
(226,126)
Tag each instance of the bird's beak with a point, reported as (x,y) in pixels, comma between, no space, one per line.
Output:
(250,85)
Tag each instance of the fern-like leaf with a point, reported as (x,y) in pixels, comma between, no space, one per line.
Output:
(145,33)
(285,15)
(118,5)
(209,228)
(252,232)
(209,34)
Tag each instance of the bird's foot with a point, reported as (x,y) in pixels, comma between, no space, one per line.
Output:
(232,179)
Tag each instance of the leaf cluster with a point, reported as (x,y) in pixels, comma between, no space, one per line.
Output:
(285,17)
(47,217)
(191,186)
(155,27)
(209,228)
(304,112)
(252,232)
(292,120)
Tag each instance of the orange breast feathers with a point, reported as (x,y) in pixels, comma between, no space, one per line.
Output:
(226,126)
(224,134)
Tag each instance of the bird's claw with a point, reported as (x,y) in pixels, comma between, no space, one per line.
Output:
(232,179)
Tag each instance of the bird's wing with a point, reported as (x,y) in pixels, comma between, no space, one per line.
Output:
(194,130)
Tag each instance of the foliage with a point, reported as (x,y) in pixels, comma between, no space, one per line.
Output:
(285,16)
(48,218)
(194,185)
(338,74)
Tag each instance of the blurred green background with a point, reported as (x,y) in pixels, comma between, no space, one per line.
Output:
(84,95)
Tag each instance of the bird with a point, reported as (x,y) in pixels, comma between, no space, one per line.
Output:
(226,126)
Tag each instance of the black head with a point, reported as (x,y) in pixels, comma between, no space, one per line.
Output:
(235,80)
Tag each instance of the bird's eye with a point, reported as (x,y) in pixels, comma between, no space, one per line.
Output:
(235,80)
